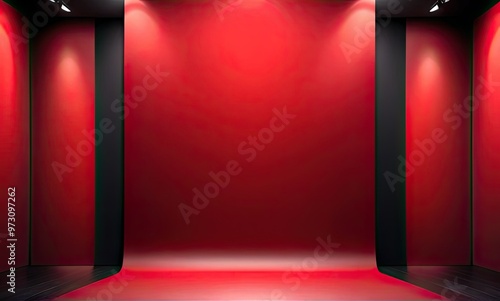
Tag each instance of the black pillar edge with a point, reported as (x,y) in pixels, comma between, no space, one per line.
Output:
(482,7)
(22,7)
(109,168)
(390,141)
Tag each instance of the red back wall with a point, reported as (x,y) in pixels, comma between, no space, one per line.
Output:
(63,108)
(437,184)
(487,139)
(14,131)
(230,69)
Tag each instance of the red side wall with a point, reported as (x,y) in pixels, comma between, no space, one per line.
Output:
(14,132)
(487,139)
(63,107)
(227,75)
(438,195)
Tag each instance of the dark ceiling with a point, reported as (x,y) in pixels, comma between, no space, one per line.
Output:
(421,8)
(79,8)
(411,8)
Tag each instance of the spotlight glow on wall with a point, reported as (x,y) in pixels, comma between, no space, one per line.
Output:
(63,5)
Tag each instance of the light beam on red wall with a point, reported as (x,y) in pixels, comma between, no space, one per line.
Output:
(437,147)
(14,133)
(486,139)
(63,150)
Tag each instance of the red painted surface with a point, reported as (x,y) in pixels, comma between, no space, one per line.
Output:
(486,139)
(227,76)
(263,235)
(14,132)
(438,136)
(63,107)
(136,284)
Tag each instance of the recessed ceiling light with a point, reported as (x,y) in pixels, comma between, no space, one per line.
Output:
(62,4)
(438,5)
(65,7)
(435,7)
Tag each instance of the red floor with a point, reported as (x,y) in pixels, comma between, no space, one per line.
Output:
(182,282)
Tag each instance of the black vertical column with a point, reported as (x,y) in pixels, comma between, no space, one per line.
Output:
(390,141)
(109,48)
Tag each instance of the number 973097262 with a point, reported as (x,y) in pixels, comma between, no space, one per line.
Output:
(11,213)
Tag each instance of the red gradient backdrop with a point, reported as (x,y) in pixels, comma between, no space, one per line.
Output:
(486,139)
(258,238)
(227,75)
(14,131)
(63,107)
(438,202)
